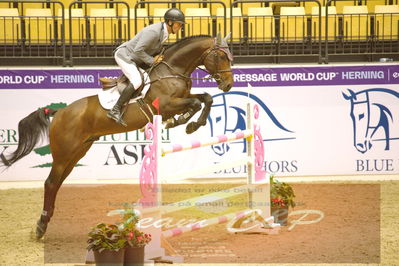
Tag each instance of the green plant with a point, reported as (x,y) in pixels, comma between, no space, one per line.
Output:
(117,236)
(281,194)
(106,237)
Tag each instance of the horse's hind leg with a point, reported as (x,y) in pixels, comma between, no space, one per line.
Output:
(51,186)
(58,174)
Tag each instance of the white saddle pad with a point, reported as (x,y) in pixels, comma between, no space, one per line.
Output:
(108,98)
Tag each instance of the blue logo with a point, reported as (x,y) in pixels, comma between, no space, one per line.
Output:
(226,118)
(372,117)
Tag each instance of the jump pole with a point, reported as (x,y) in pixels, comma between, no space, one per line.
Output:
(249,215)
(150,179)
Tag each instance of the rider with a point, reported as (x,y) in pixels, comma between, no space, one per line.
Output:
(141,50)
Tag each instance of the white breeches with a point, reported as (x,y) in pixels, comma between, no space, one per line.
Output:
(130,70)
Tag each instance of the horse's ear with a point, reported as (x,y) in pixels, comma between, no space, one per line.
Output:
(346,97)
(351,95)
(219,39)
(227,38)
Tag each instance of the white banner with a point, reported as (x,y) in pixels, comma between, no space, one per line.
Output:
(308,130)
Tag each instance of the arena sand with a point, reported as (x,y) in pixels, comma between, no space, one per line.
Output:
(359,225)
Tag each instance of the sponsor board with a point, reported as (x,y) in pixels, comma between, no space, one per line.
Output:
(316,120)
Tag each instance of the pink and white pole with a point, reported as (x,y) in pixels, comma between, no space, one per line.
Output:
(207,222)
(150,179)
(194,144)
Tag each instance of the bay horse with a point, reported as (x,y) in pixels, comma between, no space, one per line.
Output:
(74,128)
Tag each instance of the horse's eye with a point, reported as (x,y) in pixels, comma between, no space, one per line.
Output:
(361,116)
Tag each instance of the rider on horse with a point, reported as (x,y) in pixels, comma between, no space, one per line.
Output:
(141,50)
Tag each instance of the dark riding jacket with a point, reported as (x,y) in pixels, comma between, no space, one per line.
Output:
(146,44)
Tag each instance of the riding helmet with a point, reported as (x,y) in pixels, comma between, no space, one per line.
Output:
(174,14)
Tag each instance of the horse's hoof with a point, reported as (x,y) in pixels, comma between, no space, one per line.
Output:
(191,127)
(40,229)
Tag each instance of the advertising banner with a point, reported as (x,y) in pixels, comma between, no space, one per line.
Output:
(315,120)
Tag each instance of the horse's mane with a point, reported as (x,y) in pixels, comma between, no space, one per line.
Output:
(185,39)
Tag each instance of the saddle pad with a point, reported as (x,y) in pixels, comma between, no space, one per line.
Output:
(108,98)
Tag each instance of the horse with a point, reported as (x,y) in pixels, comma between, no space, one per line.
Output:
(75,127)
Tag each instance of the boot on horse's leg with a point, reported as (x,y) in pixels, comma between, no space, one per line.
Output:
(41,225)
(115,112)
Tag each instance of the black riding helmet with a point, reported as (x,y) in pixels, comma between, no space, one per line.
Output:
(175,15)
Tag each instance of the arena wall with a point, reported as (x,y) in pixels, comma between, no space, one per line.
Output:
(316,120)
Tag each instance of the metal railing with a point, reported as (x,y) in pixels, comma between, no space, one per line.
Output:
(289,35)
(91,39)
(34,35)
(99,34)
(211,21)
(359,34)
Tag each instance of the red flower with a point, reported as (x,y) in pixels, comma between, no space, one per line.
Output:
(130,236)
(278,202)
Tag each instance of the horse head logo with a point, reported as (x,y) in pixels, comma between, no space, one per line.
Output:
(371,116)
(227,118)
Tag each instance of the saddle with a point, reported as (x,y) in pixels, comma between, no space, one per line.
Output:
(121,83)
(108,83)
(112,89)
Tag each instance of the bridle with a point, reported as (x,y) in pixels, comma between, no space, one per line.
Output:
(213,50)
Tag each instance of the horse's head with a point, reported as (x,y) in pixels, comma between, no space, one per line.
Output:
(217,60)
(360,111)
(371,117)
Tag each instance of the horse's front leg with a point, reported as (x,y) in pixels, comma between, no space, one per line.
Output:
(186,107)
(207,100)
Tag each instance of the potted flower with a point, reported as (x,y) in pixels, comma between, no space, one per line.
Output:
(135,239)
(281,198)
(107,242)
(134,250)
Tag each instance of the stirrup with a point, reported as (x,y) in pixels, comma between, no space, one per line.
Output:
(117,119)
(122,122)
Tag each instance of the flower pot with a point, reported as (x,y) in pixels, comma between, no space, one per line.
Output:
(109,257)
(280,215)
(134,256)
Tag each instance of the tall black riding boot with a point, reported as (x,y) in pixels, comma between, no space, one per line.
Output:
(115,112)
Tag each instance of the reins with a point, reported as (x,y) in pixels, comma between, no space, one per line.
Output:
(176,74)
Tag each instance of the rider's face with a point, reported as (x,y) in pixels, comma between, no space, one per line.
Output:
(176,26)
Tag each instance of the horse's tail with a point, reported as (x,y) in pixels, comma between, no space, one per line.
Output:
(30,130)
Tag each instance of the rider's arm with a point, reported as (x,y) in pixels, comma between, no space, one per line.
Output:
(146,39)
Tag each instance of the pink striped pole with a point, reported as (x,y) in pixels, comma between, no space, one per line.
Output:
(204,223)
(194,144)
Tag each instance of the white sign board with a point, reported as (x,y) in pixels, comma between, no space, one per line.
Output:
(330,120)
